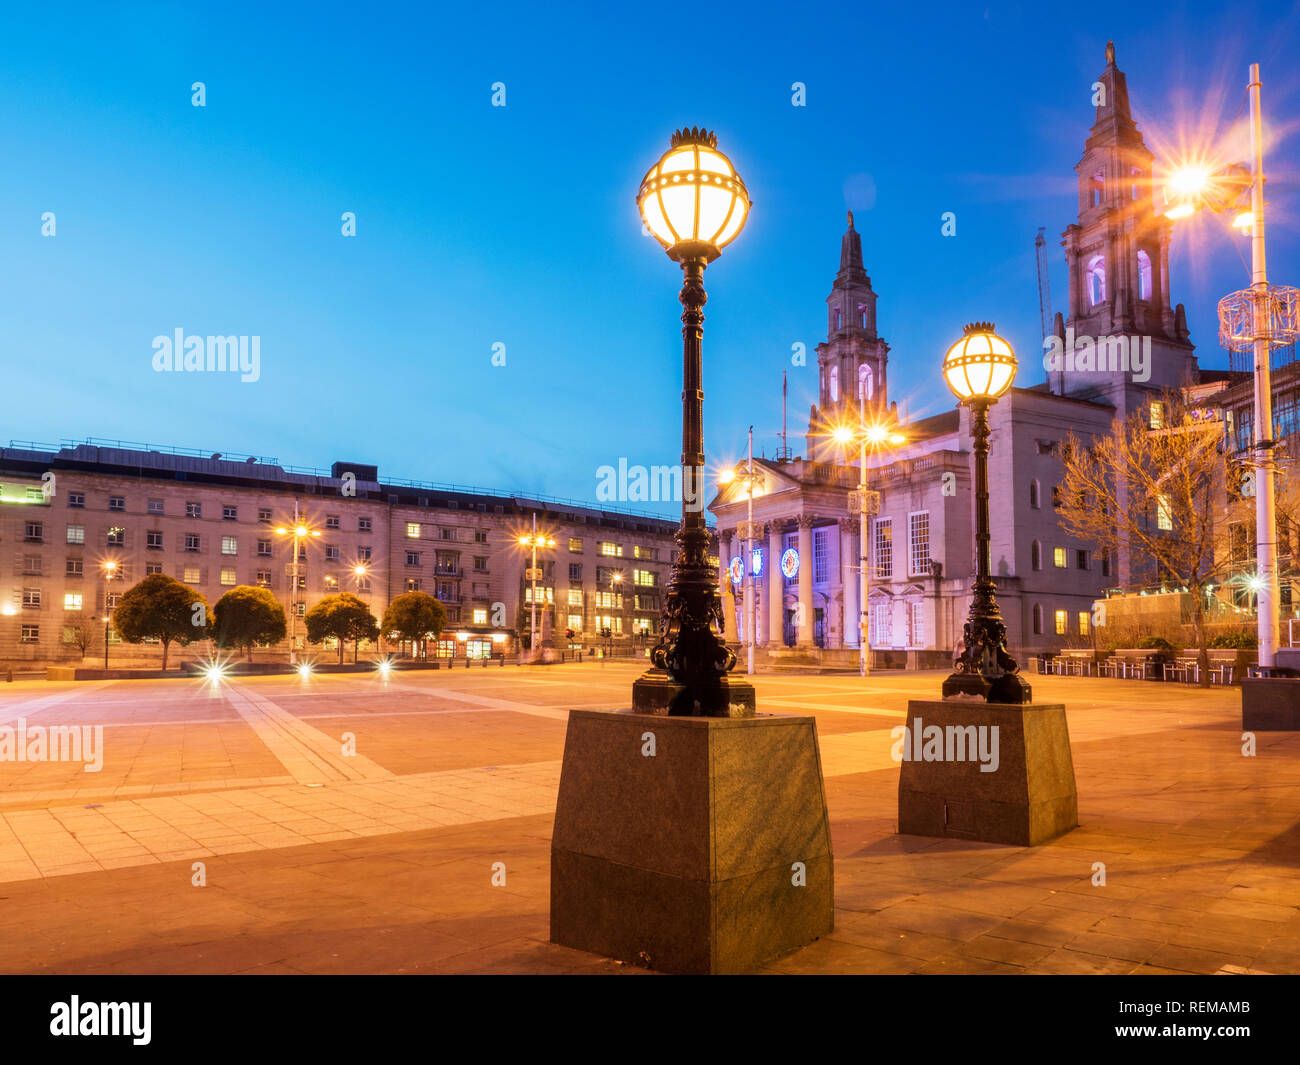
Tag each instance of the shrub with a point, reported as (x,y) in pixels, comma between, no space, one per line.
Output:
(1237,641)
(1155,643)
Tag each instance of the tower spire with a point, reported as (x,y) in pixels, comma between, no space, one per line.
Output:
(1114,117)
(851,256)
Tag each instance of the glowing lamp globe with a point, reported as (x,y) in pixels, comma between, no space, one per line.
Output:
(692,200)
(980,366)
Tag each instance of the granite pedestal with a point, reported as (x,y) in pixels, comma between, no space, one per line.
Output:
(1028,799)
(1270,704)
(690,844)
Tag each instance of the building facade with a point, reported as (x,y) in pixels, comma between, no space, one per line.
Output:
(920,542)
(215,523)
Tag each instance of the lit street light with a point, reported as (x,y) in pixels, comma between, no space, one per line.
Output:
(1253,320)
(694,203)
(534,541)
(979,368)
(110,571)
(300,531)
(877,435)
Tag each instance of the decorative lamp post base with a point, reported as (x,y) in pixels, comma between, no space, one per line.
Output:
(655,692)
(1001,688)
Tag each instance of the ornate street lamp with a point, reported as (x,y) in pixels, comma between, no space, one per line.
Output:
(979,368)
(694,203)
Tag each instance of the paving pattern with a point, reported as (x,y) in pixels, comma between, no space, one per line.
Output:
(350,824)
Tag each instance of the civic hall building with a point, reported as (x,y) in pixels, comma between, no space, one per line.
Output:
(921,541)
(211,523)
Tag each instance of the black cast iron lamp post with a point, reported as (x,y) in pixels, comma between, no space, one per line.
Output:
(694,203)
(979,368)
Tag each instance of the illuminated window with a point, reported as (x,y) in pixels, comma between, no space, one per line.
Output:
(191,575)
(1060,623)
(1157,415)
(644,578)
(228,577)
(479,616)
(575,544)
(413,529)
(575,622)
(884,547)
(1058,557)
(1084,619)
(76,534)
(1094,280)
(229,545)
(918,541)
(1144,276)
(642,626)
(72,601)
(575,597)
(610,549)
(1164,515)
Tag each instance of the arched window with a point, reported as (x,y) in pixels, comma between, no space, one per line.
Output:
(1094,280)
(866,383)
(1038,620)
(833,385)
(1144,276)
(1035,493)
(1036,555)
(1098,184)
(864,318)
(839,319)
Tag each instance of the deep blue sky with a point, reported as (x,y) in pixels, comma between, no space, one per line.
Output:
(517,225)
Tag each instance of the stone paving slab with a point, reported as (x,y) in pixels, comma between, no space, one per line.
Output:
(381,868)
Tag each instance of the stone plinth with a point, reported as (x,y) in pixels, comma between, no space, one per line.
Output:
(655,692)
(1028,799)
(1270,704)
(690,844)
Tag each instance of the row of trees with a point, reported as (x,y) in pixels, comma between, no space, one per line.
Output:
(164,609)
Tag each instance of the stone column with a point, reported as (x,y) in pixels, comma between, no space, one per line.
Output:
(850,580)
(775,595)
(804,637)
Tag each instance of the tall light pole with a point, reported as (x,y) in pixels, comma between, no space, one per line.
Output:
(110,571)
(1253,320)
(694,203)
(300,531)
(747,534)
(979,368)
(534,541)
(875,435)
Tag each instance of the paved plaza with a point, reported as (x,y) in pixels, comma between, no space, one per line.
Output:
(428,849)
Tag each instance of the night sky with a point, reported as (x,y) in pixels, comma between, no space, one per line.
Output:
(479,225)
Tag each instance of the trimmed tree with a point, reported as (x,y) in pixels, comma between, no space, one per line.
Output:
(246,615)
(161,608)
(1159,493)
(343,617)
(415,616)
